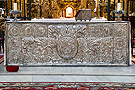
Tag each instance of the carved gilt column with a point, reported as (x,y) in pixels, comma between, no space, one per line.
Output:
(97,8)
(54,9)
(82,4)
(126,6)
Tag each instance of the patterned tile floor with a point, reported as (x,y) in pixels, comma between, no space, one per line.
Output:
(66,86)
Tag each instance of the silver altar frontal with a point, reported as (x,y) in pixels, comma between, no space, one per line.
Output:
(71,43)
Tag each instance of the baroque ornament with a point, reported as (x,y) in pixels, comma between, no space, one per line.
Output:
(67,47)
(67,44)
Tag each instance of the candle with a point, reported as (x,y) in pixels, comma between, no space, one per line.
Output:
(2,11)
(118,6)
(15,6)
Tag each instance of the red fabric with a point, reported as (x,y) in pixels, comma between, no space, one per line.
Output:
(12,68)
(1,58)
(9,68)
(66,86)
(132,20)
(71,88)
(77,14)
(133,61)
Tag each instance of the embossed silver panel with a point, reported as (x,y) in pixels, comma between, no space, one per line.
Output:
(60,43)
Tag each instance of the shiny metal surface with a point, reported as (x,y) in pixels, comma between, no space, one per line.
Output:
(67,44)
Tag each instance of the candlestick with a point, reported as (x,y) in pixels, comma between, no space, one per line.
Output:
(15,13)
(118,13)
(15,6)
(118,6)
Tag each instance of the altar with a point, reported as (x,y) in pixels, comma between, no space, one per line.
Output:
(67,43)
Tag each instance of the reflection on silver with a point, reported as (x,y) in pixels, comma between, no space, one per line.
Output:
(67,44)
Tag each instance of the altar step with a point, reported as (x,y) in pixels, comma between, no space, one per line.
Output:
(69,74)
(66,78)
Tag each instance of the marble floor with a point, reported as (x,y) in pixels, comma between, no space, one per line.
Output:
(69,74)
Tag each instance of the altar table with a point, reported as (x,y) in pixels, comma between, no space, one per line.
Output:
(67,43)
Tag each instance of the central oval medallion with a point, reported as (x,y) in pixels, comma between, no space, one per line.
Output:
(67,47)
